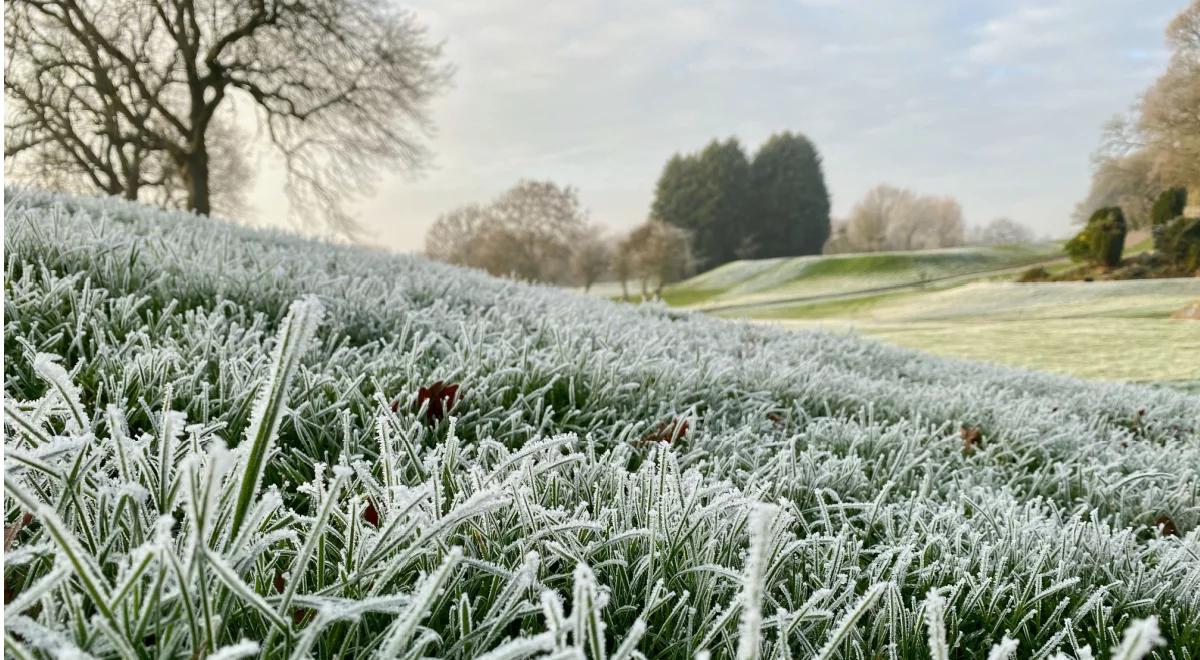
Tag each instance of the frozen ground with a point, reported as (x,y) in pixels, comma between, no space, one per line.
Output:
(212,447)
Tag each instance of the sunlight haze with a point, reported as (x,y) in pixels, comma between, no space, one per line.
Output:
(997,103)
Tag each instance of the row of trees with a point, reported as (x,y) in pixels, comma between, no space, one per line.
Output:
(539,231)
(773,205)
(1157,145)
(891,218)
(135,97)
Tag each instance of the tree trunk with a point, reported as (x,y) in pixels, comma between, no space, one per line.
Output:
(195,175)
(624,290)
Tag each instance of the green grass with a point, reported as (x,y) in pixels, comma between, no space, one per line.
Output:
(772,280)
(1107,330)
(940,301)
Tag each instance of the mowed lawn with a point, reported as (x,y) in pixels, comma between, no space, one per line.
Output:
(1104,330)
(772,281)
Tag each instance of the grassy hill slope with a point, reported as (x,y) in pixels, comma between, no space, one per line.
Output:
(770,281)
(216,442)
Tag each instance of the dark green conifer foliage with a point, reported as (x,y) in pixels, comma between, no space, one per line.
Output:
(791,201)
(1102,240)
(774,207)
(707,194)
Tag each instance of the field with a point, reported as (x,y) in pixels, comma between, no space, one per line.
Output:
(1107,330)
(222,442)
(970,309)
(745,284)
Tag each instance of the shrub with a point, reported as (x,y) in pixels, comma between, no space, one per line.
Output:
(1179,242)
(1102,240)
(1168,206)
(1035,274)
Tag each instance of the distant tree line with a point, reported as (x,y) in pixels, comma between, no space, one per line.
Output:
(734,207)
(890,218)
(539,231)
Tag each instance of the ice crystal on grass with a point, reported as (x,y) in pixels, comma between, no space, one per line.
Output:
(201,459)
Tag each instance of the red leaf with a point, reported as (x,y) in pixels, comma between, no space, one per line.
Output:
(972,438)
(1166,525)
(441,398)
(667,431)
(371,514)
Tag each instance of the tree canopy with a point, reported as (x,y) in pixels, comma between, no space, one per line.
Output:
(1157,146)
(735,208)
(530,232)
(891,218)
(791,203)
(708,195)
(134,97)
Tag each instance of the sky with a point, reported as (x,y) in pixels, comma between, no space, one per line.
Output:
(999,103)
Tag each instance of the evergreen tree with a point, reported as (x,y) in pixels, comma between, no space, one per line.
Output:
(708,195)
(791,204)
(676,200)
(724,202)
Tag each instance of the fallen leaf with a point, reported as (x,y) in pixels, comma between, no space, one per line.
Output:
(371,514)
(667,431)
(1166,526)
(441,398)
(972,438)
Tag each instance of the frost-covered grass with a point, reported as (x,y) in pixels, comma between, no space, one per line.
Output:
(202,457)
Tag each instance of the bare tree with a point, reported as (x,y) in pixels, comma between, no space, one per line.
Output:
(657,253)
(867,227)
(531,230)
(528,233)
(590,256)
(1158,145)
(1169,123)
(890,218)
(622,266)
(453,237)
(1125,176)
(1002,231)
(922,222)
(125,96)
(839,238)
(945,219)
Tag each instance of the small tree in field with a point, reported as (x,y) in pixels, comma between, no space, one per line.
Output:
(1102,240)
(530,232)
(657,253)
(622,266)
(591,256)
(1003,231)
